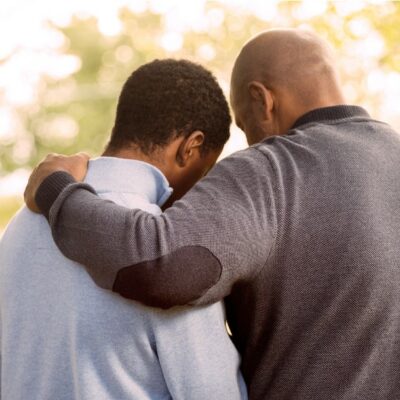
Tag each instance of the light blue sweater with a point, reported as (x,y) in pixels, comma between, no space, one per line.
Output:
(64,338)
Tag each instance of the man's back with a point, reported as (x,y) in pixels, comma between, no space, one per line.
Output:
(301,230)
(62,337)
(327,301)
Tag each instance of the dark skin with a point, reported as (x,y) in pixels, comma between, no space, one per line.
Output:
(278,76)
(182,162)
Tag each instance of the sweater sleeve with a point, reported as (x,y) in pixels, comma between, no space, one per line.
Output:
(219,233)
(197,357)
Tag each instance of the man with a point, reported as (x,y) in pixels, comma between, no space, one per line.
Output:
(301,230)
(62,337)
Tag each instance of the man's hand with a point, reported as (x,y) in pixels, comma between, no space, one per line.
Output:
(75,165)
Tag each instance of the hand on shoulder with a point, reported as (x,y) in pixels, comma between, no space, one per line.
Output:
(75,165)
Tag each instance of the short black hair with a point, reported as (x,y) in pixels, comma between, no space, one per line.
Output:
(168,98)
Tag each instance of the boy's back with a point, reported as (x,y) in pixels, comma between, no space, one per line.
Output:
(63,337)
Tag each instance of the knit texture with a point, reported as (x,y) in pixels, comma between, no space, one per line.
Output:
(306,228)
(64,338)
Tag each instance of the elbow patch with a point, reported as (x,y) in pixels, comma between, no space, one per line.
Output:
(174,279)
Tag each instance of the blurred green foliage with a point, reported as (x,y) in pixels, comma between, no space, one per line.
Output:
(9,206)
(76,113)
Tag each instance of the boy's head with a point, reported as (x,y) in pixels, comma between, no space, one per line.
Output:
(173,114)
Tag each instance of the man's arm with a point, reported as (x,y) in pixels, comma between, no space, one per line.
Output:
(222,231)
(196,355)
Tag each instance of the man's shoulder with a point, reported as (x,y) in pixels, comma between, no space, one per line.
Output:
(321,136)
(241,160)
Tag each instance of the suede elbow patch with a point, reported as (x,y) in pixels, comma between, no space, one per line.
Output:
(174,279)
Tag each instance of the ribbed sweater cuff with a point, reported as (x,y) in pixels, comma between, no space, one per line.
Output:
(50,189)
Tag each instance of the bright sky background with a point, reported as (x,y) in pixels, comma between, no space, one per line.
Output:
(31,48)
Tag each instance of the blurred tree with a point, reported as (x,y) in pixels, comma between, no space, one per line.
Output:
(76,113)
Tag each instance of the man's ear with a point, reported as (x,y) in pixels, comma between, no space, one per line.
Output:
(189,148)
(263,98)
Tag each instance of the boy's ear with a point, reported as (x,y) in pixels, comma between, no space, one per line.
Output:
(189,148)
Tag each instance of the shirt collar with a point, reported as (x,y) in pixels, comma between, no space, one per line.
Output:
(330,114)
(111,174)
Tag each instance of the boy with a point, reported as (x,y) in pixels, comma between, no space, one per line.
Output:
(62,337)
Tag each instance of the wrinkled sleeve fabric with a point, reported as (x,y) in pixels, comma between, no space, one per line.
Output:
(221,232)
(196,355)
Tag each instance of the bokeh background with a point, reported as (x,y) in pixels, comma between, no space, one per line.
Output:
(62,63)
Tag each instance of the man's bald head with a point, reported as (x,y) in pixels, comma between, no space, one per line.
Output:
(296,66)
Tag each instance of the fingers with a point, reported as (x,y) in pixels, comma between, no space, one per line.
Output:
(83,155)
(79,166)
(75,165)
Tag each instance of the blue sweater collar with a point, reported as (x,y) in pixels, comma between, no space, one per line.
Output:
(111,174)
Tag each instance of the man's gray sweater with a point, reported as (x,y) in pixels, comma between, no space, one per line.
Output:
(301,232)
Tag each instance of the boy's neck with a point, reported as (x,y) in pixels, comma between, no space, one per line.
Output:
(135,154)
(154,159)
